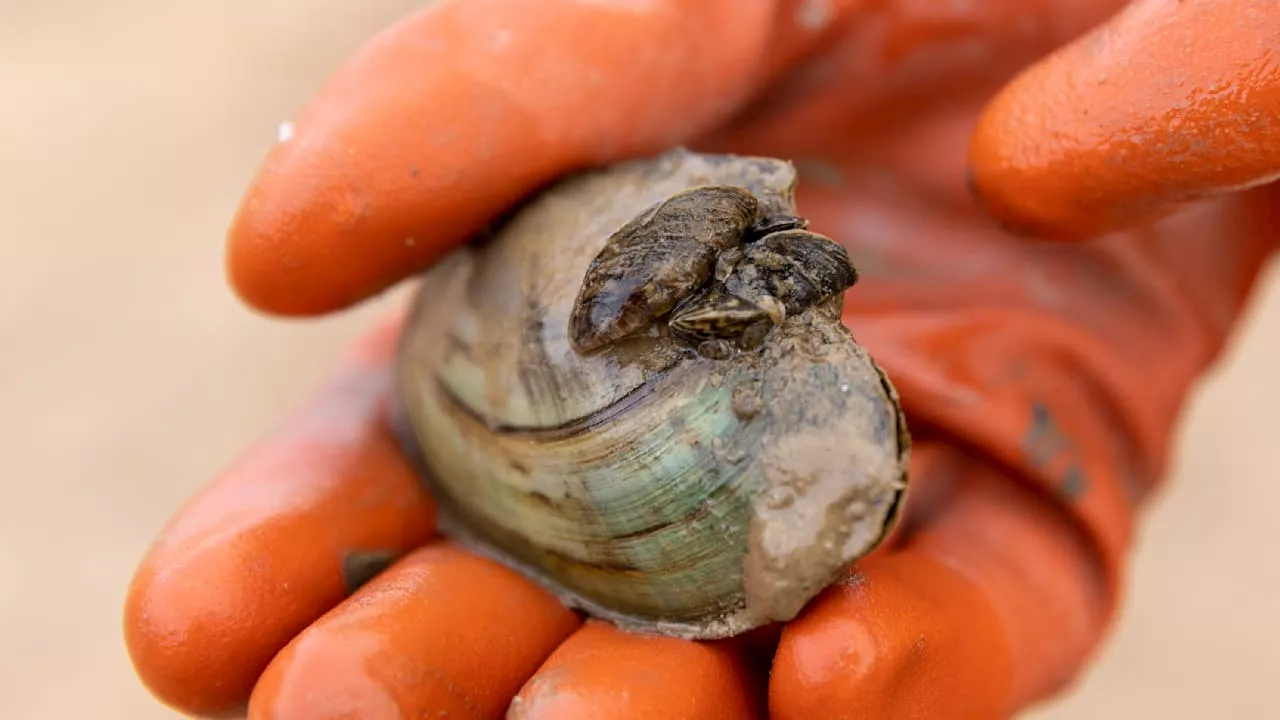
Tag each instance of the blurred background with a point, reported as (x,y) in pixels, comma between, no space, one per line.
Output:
(129,374)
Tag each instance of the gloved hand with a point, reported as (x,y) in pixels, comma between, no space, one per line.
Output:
(1041,379)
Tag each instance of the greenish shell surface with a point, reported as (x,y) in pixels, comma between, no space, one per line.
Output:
(648,485)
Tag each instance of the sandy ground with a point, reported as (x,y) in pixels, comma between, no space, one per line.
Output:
(130,375)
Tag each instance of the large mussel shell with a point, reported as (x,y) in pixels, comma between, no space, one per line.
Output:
(644,483)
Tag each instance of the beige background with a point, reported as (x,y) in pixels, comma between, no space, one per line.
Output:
(129,374)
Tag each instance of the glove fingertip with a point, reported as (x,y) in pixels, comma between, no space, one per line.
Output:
(1129,123)
(454,114)
(441,633)
(602,671)
(904,637)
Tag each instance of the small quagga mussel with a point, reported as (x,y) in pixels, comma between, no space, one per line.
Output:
(639,393)
(685,256)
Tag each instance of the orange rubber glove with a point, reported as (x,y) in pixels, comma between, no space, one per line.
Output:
(1041,378)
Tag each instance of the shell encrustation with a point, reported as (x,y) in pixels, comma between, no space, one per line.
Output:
(638,392)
